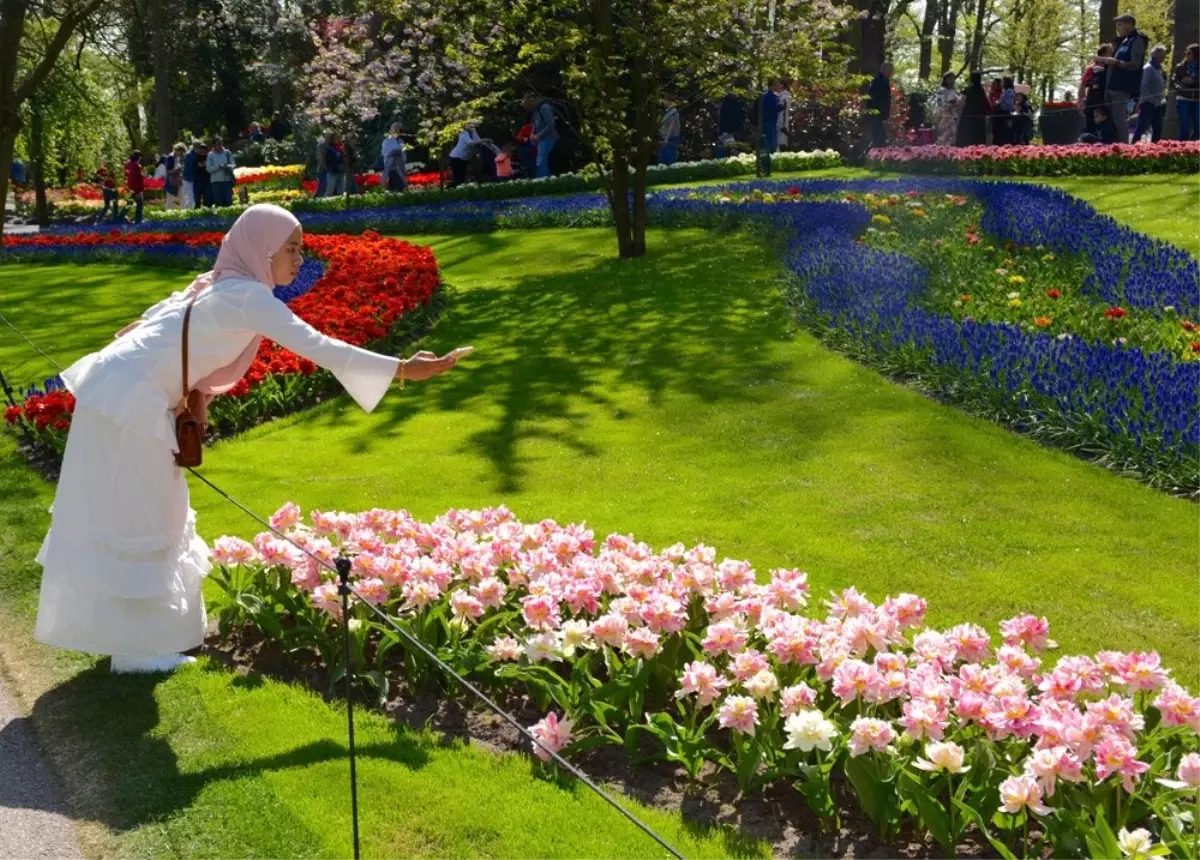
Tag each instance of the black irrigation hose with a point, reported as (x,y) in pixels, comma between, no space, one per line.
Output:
(342,569)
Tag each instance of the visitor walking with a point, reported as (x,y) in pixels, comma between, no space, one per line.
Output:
(527,151)
(220,173)
(670,135)
(1124,73)
(329,167)
(731,117)
(189,175)
(1152,97)
(17,176)
(769,105)
(995,91)
(173,180)
(395,166)
(946,107)
(785,116)
(1092,87)
(203,186)
(463,151)
(1002,121)
(108,191)
(545,131)
(135,181)
(879,100)
(973,116)
(1187,93)
(123,565)
(1023,120)
(280,127)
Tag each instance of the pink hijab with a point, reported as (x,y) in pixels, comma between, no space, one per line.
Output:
(245,253)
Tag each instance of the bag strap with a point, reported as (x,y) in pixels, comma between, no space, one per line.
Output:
(187,318)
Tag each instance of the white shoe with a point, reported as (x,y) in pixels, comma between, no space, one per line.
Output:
(124,664)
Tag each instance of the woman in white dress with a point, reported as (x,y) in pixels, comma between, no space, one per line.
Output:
(122,563)
(947,105)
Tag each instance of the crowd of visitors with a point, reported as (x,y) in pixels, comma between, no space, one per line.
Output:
(1122,97)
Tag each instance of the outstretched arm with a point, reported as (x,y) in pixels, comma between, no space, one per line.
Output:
(365,375)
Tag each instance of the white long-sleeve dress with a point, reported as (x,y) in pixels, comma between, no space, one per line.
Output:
(122,563)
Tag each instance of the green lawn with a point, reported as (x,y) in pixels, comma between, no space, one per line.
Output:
(668,397)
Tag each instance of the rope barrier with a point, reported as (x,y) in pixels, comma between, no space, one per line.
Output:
(342,569)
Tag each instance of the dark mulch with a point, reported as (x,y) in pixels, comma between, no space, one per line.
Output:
(779,816)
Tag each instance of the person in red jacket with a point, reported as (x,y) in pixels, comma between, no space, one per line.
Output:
(135,180)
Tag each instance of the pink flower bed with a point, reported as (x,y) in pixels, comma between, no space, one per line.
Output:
(711,663)
(1076,159)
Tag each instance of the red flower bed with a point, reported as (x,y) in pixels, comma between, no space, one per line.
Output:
(375,181)
(370,282)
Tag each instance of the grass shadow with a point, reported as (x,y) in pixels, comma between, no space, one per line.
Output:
(551,346)
(99,728)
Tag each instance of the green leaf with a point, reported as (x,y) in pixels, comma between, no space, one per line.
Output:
(1101,841)
(931,812)
(875,790)
(973,815)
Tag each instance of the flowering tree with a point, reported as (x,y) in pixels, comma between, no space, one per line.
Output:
(373,64)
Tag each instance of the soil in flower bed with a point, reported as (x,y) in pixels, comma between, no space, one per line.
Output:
(776,815)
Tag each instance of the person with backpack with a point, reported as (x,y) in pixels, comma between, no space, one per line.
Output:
(1124,73)
(135,181)
(220,173)
(545,131)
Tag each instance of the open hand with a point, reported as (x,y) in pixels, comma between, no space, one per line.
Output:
(425,364)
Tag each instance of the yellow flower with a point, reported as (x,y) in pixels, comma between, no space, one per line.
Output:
(920,213)
(881,219)
(1014,303)
(1016,279)
(1047,258)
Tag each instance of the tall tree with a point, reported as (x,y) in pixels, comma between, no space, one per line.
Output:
(624,60)
(17,88)
(928,23)
(156,25)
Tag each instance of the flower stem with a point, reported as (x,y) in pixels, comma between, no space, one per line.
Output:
(950,812)
(1196,823)
(1025,838)
(1117,821)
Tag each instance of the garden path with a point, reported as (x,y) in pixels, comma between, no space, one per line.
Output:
(33,816)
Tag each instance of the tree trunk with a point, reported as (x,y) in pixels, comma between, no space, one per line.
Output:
(975,55)
(164,127)
(1108,27)
(928,23)
(619,202)
(8,141)
(947,30)
(637,233)
(1187,32)
(37,164)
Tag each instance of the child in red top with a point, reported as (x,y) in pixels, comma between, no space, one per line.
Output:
(136,182)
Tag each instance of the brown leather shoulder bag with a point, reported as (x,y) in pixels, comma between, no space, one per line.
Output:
(190,415)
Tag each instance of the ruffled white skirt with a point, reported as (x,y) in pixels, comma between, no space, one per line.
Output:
(122,564)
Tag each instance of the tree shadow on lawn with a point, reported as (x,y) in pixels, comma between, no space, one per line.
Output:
(700,318)
(99,305)
(101,731)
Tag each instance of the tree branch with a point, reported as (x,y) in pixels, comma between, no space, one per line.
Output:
(66,29)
